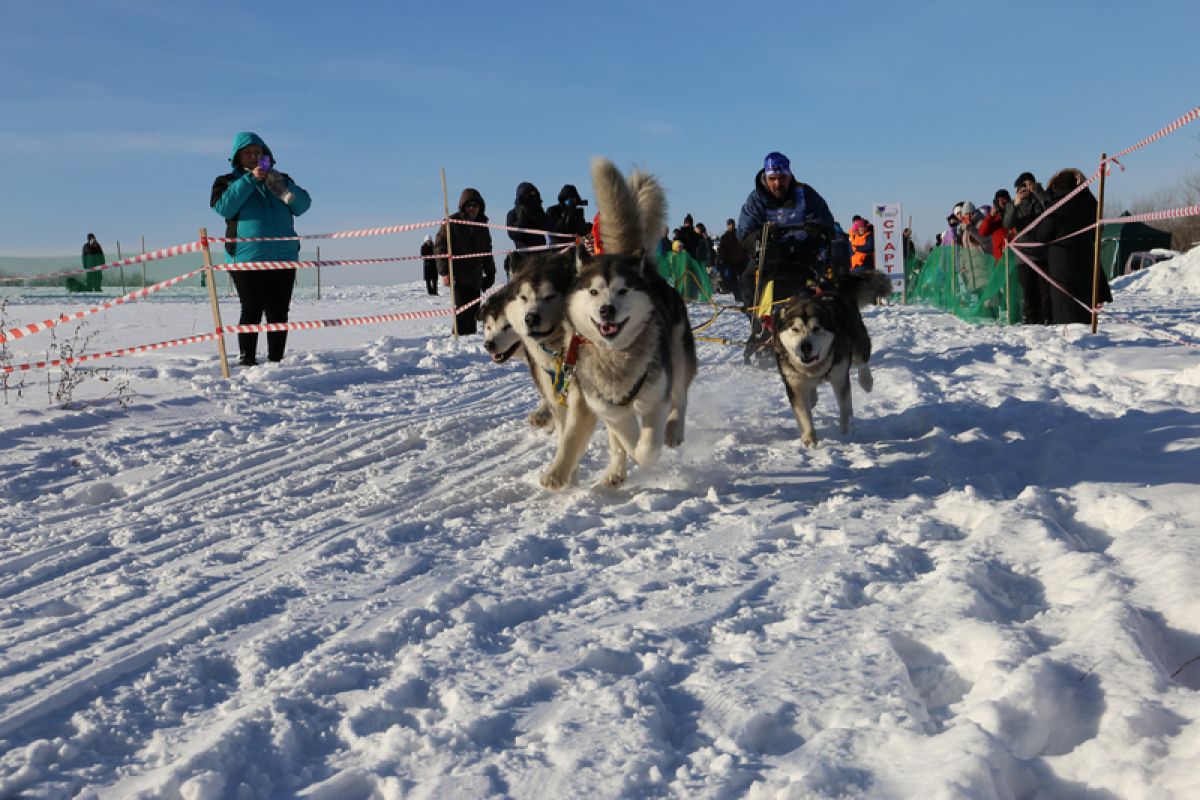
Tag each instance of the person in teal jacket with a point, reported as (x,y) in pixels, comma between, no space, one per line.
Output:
(256,200)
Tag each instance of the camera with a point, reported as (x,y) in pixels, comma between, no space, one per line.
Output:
(264,162)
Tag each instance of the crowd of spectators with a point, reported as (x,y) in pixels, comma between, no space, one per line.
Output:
(1056,250)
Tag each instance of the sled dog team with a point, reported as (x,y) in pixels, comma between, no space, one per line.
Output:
(606,338)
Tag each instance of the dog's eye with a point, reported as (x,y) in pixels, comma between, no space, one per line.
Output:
(550,296)
(593,292)
(622,292)
(508,327)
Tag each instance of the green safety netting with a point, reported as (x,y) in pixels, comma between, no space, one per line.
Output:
(687,275)
(967,282)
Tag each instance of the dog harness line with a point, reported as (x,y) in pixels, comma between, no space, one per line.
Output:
(564,368)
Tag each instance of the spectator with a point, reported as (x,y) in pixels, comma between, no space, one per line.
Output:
(1070,258)
(567,215)
(1028,205)
(477,272)
(92,256)
(731,260)
(910,249)
(795,211)
(690,238)
(526,213)
(992,225)
(431,276)
(949,237)
(862,245)
(257,201)
(704,247)
(968,232)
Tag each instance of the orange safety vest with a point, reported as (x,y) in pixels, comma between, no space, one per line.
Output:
(857,240)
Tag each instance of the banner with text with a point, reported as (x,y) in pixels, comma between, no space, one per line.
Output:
(888,219)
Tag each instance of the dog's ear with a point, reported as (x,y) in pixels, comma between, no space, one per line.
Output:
(582,257)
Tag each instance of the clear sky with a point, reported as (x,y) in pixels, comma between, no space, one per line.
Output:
(116,115)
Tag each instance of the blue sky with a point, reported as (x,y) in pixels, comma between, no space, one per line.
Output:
(116,116)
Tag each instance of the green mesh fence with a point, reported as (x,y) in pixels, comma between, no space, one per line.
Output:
(967,282)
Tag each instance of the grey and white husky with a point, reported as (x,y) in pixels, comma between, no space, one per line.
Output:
(819,335)
(535,307)
(502,343)
(633,351)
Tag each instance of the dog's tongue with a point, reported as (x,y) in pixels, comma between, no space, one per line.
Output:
(497,357)
(609,328)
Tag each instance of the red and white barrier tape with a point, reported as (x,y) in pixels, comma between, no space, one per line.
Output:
(166,252)
(1051,281)
(494,226)
(382,231)
(1189,117)
(268,327)
(124,351)
(412,226)
(253,266)
(1174,213)
(1054,207)
(12,334)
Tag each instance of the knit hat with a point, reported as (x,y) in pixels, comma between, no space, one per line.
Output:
(1024,176)
(777,164)
(968,208)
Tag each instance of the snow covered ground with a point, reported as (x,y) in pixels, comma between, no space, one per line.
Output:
(339,578)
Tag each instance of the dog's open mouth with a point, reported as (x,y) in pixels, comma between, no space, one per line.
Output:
(808,359)
(610,330)
(500,358)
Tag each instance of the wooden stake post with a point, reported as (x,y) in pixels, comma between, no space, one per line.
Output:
(1096,241)
(318,273)
(212,297)
(449,251)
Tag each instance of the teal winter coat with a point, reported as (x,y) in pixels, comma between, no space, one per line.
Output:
(251,210)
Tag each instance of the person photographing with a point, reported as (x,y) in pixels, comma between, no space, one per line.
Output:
(258,201)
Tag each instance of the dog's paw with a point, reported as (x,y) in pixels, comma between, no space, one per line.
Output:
(554,480)
(865,379)
(647,454)
(809,440)
(674,433)
(612,479)
(542,417)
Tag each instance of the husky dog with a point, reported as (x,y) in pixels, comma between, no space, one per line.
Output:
(535,307)
(503,343)
(499,338)
(634,355)
(819,335)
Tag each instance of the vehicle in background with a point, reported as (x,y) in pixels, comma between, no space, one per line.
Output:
(1146,258)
